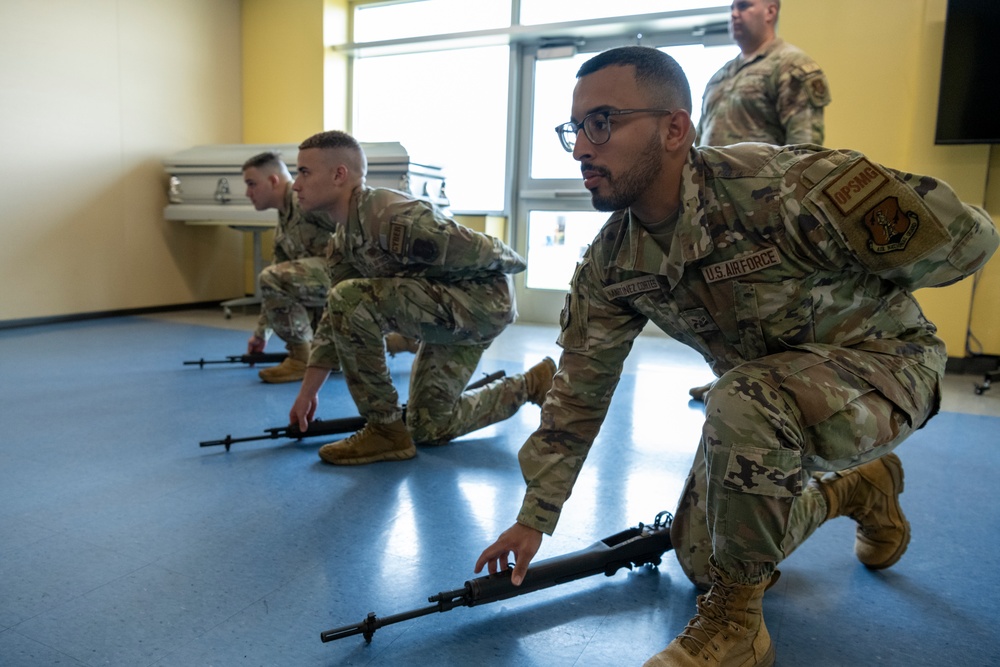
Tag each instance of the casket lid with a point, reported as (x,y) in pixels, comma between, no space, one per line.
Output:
(227,156)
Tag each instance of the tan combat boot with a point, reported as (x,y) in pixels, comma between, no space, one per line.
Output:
(292,368)
(869,494)
(728,630)
(375,442)
(538,380)
(396,343)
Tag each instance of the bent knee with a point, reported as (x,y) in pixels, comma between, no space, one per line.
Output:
(426,430)
(694,552)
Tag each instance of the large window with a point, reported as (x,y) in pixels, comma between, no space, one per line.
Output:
(447,109)
(383,21)
(435,75)
(534,12)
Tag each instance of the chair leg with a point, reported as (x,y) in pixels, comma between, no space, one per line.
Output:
(987,379)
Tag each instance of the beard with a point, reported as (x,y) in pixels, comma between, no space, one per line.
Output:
(631,184)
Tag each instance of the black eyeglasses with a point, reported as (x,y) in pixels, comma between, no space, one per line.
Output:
(596,126)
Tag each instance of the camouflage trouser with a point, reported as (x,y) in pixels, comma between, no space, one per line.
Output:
(455,323)
(291,293)
(769,424)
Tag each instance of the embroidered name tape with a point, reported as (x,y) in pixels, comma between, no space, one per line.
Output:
(630,287)
(735,268)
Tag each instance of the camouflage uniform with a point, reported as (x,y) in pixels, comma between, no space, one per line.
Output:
(294,286)
(791,271)
(775,98)
(399,264)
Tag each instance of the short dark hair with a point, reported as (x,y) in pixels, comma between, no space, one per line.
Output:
(331,139)
(265,159)
(351,151)
(654,70)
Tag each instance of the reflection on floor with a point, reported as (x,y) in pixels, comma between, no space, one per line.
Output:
(125,543)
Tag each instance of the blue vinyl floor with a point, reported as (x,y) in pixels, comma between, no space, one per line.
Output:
(122,542)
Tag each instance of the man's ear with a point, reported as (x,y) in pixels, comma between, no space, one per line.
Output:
(771,11)
(341,173)
(679,129)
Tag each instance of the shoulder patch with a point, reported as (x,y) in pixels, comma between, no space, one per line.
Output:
(850,190)
(397,237)
(819,93)
(885,223)
(890,228)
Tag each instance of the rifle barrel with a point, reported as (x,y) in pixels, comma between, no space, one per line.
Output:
(372,623)
(642,545)
(251,359)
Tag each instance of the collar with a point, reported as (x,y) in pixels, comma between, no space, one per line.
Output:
(635,250)
(742,62)
(290,203)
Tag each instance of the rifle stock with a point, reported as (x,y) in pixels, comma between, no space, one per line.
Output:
(641,545)
(321,427)
(250,359)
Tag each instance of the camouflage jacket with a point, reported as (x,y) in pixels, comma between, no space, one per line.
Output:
(775,248)
(391,234)
(775,98)
(298,235)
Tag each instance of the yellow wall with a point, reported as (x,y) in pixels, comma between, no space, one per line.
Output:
(288,74)
(93,96)
(286,69)
(883,59)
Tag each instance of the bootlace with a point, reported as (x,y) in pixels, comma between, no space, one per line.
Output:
(861,514)
(354,437)
(709,621)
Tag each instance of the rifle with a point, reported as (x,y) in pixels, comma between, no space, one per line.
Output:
(251,359)
(642,545)
(321,427)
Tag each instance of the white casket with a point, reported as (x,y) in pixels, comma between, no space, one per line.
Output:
(206,182)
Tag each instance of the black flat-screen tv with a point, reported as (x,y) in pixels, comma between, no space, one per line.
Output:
(969,97)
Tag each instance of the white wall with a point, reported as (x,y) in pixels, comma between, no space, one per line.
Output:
(93,95)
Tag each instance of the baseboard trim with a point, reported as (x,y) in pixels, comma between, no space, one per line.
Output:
(979,364)
(102,314)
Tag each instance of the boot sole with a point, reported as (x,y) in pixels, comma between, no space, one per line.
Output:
(895,468)
(768,659)
(398,455)
(281,380)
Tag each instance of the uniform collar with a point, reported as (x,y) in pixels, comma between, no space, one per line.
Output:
(741,62)
(290,204)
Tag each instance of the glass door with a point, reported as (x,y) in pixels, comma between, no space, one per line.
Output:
(554,221)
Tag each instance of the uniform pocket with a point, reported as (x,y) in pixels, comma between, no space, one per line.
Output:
(770,317)
(775,473)
(574,316)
